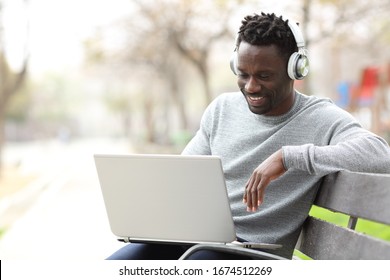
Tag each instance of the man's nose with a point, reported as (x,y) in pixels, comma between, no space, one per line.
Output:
(252,85)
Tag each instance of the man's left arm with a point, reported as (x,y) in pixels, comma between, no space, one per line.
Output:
(362,152)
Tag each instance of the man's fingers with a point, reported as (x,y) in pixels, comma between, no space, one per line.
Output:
(270,169)
(253,205)
(249,185)
(254,194)
(260,194)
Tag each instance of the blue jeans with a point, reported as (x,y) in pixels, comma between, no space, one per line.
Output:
(140,251)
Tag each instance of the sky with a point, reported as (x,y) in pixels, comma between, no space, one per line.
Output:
(56,29)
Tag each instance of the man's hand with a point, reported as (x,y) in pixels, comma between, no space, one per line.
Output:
(270,169)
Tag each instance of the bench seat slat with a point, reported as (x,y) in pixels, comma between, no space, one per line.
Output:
(323,241)
(357,194)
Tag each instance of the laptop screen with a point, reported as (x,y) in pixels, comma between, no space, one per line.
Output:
(165,198)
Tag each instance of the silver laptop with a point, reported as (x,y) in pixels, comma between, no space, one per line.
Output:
(166,198)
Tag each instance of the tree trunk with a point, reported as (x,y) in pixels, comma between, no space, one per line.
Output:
(206,83)
(2,138)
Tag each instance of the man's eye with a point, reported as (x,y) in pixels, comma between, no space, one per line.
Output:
(263,76)
(242,75)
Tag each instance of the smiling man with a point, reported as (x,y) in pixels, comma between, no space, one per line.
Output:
(263,79)
(276,144)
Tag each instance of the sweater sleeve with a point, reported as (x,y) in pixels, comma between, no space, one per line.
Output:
(350,148)
(200,143)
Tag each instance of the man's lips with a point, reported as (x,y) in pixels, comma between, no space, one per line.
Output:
(255,100)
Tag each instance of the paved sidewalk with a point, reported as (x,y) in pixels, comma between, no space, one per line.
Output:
(67,221)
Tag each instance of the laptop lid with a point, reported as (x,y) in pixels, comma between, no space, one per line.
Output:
(165,198)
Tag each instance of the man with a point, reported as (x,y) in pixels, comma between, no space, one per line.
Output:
(275,143)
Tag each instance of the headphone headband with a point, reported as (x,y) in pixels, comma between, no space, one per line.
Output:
(297,33)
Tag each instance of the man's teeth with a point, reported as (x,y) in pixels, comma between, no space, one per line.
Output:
(255,98)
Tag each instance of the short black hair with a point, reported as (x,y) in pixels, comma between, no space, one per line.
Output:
(266,30)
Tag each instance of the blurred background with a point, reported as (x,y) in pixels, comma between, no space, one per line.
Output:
(79,77)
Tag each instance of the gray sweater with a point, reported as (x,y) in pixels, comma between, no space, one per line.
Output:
(316,137)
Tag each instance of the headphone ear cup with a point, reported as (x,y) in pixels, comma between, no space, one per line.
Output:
(291,66)
(233,63)
(298,66)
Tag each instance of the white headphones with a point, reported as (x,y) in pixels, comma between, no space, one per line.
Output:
(298,63)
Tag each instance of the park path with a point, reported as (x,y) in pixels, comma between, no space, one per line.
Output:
(65,217)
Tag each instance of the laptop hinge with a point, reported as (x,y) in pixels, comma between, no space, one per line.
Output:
(124,239)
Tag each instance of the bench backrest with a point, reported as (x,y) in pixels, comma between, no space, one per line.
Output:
(358,195)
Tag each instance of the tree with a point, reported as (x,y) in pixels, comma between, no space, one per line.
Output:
(166,40)
(190,28)
(10,81)
(186,28)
